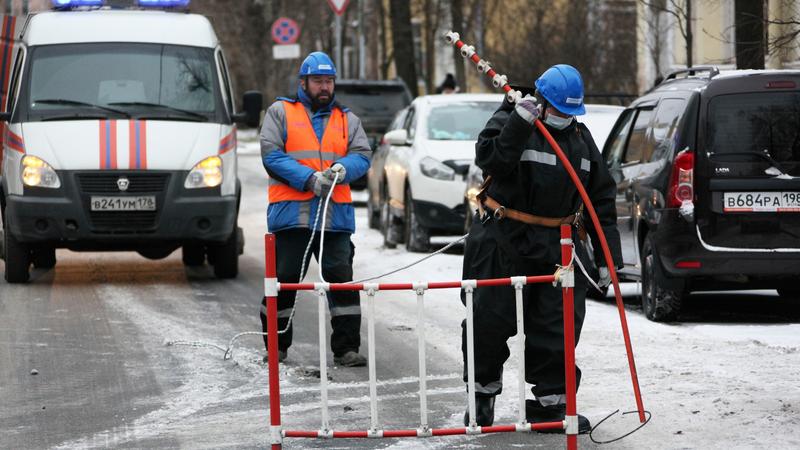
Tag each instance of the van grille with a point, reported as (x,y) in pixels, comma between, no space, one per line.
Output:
(106,183)
(123,222)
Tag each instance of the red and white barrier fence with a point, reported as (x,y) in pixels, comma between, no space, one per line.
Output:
(564,276)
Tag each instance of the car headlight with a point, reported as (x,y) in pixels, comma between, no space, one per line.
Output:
(37,173)
(435,169)
(206,173)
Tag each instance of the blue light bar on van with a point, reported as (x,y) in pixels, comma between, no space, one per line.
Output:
(163,3)
(76,3)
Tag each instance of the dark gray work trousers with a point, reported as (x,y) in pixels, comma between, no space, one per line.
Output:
(337,267)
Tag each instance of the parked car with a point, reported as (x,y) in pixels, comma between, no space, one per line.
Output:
(375,102)
(422,192)
(376,180)
(707,167)
(598,118)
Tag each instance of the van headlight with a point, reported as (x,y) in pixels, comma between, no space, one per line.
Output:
(206,173)
(435,169)
(37,173)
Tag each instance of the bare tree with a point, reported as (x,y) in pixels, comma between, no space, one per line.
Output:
(681,11)
(433,13)
(657,25)
(403,43)
(750,35)
(457,18)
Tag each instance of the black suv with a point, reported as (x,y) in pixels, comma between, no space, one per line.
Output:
(375,102)
(707,166)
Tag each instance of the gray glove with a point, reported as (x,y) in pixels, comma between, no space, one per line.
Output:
(336,168)
(319,184)
(528,108)
(605,276)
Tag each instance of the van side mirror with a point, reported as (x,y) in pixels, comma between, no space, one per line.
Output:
(5,116)
(252,103)
(397,137)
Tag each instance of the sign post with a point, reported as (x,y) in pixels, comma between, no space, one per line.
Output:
(338,7)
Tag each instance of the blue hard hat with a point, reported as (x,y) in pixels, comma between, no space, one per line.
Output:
(562,86)
(317,63)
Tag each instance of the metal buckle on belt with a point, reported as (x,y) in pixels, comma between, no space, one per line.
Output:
(499,213)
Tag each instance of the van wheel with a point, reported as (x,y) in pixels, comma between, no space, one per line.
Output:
(18,259)
(417,238)
(193,255)
(789,292)
(44,258)
(662,296)
(226,256)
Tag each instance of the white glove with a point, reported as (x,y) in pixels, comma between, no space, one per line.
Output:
(319,184)
(528,108)
(337,168)
(605,276)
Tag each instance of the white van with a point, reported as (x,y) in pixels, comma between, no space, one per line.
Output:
(120,135)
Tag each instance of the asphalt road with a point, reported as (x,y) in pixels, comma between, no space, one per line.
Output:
(87,361)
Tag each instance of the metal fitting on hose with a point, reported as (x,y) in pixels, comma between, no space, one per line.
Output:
(451,37)
(514,96)
(467,51)
(483,66)
(499,81)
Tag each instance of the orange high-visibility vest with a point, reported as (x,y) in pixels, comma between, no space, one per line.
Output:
(302,144)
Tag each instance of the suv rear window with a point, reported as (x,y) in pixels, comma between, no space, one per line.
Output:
(755,122)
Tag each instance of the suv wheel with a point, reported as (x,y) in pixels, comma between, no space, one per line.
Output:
(18,259)
(226,256)
(44,258)
(417,238)
(193,255)
(388,227)
(661,295)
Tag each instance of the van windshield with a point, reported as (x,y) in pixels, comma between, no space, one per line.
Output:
(756,122)
(151,81)
(459,121)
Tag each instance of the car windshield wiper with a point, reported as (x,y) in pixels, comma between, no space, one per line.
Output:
(200,117)
(64,101)
(763,155)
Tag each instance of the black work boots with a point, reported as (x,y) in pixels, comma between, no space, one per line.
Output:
(536,413)
(350,359)
(281,356)
(484,412)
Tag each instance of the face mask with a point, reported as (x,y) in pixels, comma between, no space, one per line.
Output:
(556,122)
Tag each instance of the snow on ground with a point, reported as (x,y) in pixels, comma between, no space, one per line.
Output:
(707,385)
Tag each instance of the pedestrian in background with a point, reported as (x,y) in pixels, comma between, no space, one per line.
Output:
(448,86)
(517,233)
(305,142)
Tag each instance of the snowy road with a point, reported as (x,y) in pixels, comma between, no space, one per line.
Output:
(95,331)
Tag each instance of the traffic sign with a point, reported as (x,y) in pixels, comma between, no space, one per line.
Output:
(338,6)
(285,31)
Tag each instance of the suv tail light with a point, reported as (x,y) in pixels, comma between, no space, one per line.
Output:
(681,180)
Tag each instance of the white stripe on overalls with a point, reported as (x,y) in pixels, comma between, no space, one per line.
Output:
(550,159)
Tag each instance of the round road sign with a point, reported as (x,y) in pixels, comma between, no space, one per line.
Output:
(285,31)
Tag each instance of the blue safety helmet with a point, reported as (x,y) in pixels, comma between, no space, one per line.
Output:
(317,63)
(562,86)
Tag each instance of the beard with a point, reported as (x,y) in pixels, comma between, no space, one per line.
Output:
(323,98)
